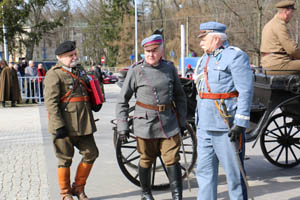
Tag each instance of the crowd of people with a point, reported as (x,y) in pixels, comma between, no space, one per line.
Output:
(16,77)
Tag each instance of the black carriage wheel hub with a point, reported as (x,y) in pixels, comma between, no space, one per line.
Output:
(286,140)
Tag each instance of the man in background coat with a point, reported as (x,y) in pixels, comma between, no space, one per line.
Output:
(71,119)
(9,85)
(279,52)
(156,85)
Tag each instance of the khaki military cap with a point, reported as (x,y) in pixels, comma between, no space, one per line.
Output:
(286,4)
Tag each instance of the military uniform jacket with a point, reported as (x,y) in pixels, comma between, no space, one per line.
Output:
(77,117)
(276,40)
(153,86)
(228,70)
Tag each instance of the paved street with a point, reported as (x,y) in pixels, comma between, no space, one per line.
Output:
(28,164)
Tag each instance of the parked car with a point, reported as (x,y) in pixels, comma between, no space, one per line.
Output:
(122,75)
(46,64)
(109,78)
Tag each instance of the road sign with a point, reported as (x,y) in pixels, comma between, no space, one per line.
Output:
(131,57)
(172,54)
(102,60)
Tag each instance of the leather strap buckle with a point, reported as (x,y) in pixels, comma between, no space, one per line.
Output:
(161,108)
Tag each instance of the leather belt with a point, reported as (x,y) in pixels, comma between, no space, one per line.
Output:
(204,95)
(265,54)
(76,99)
(159,108)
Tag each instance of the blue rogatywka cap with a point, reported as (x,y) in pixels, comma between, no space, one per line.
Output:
(155,39)
(210,27)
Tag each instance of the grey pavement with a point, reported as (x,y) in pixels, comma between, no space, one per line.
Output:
(28,164)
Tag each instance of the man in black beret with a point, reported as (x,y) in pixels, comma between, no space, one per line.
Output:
(71,120)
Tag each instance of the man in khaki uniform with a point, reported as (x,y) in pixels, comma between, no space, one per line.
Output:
(70,119)
(278,51)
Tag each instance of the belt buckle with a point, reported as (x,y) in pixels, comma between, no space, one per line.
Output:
(161,108)
(201,95)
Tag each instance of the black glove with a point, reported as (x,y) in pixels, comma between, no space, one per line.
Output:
(182,130)
(123,135)
(61,133)
(235,132)
(96,108)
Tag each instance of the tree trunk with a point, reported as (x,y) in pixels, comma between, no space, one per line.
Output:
(29,50)
(259,30)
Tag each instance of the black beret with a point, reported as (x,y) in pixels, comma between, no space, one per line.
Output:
(65,47)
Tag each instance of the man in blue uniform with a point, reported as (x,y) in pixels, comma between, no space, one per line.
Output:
(156,86)
(223,77)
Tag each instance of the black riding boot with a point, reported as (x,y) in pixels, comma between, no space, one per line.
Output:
(13,104)
(144,174)
(175,179)
(3,104)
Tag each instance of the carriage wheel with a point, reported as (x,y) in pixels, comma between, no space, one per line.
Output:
(279,142)
(128,158)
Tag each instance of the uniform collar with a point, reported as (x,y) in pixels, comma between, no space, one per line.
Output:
(279,20)
(64,66)
(148,65)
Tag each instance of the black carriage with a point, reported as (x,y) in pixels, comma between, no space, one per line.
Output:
(275,118)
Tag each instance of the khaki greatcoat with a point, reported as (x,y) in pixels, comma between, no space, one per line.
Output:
(9,85)
(77,117)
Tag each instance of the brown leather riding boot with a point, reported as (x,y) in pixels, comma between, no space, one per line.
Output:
(64,183)
(82,174)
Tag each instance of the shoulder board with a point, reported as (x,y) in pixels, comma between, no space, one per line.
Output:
(234,48)
(136,63)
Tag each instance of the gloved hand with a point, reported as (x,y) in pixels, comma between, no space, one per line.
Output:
(61,133)
(182,130)
(96,108)
(123,135)
(235,132)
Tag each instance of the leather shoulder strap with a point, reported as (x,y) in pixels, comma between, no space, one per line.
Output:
(77,78)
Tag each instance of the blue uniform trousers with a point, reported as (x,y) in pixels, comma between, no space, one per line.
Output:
(215,146)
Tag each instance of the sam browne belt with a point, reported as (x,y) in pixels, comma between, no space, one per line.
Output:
(159,108)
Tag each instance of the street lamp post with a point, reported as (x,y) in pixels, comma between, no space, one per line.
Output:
(4,37)
(136,31)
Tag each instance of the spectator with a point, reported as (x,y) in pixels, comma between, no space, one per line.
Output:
(31,72)
(16,67)
(22,66)
(9,86)
(189,72)
(99,74)
(41,74)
